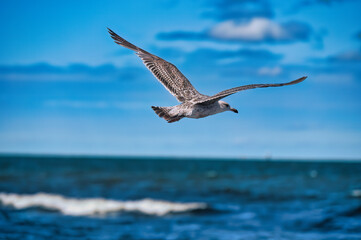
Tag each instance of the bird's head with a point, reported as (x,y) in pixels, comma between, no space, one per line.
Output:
(225,107)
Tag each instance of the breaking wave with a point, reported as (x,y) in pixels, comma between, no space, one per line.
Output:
(96,206)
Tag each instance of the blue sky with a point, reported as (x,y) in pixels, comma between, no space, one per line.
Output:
(66,88)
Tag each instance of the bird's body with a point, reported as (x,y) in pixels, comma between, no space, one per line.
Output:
(193,104)
(201,111)
(190,110)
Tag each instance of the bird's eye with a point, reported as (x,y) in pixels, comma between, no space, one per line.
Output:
(227,105)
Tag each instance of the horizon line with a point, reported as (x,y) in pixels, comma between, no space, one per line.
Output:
(177,157)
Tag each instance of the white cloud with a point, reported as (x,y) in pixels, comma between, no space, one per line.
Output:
(260,29)
(255,30)
(334,78)
(267,71)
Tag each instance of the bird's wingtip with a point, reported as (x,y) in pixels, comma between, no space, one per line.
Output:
(110,31)
(301,79)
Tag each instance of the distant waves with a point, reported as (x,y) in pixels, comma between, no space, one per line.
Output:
(96,206)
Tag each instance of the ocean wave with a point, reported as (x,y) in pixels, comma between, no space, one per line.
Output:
(356,193)
(96,206)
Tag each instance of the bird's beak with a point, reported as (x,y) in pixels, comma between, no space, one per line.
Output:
(234,110)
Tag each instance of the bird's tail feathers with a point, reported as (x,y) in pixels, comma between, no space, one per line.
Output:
(163,112)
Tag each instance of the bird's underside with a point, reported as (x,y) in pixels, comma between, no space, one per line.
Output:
(193,104)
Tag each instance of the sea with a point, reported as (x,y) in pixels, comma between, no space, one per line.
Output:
(74,197)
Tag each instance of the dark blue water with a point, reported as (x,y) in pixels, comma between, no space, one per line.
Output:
(238,199)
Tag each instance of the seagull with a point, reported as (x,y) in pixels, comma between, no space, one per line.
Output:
(193,104)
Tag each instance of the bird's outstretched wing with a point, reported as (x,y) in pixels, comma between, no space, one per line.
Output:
(168,74)
(231,91)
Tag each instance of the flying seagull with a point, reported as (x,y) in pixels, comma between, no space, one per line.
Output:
(193,104)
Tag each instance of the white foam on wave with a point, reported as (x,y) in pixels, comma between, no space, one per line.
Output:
(94,206)
(356,193)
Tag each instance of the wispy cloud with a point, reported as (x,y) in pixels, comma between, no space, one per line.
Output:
(243,53)
(334,78)
(81,104)
(269,71)
(72,72)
